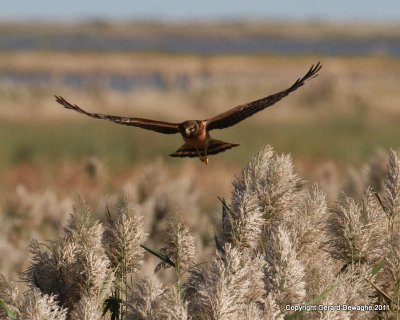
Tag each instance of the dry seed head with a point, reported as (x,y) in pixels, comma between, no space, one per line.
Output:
(389,277)
(8,295)
(255,267)
(79,219)
(337,315)
(11,257)
(90,263)
(244,222)
(85,309)
(223,290)
(392,186)
(37,306)
(73,266)
(179,245)
(145,301)
(319,272)
(346,232)
(173,307)
(81,231)
(42,271)
(94,271)
(284,272)
(351,288)
(251,311)
(123,235)
(308,222)
(271,309)
(35,209)
(270,178)
(355,233)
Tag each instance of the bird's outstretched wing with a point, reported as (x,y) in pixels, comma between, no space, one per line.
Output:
(158,126)
(241,112)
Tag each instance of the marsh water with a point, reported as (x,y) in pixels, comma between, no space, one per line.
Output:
(172,43)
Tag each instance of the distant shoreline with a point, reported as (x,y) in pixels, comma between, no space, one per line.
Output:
(292,29)
(204,38)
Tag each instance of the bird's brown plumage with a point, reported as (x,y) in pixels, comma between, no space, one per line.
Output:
(195,133)
(243,111)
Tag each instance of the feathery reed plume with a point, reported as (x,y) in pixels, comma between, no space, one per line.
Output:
(122,238)
(145,301)
(123,235)
(284,273)
(251,312)
(85,309)
(38,209)
(174,308)
(255,265)
(12,256)
(94,270)
(243,221)
(271,309)
(224,289)
(391,198)
(42,273)
(354,230)
(271,179)
(350,288)
(320,271)
(8,296)
(38,306)
(90,256)
(179,246)
(307,224)
(388,280)
(264,194)
(73,266)
(307,231)
(339,315)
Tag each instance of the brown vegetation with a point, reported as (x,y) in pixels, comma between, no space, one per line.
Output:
(279,245)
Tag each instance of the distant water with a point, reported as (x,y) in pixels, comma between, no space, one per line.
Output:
(173,44)
(117,82)
(201,45)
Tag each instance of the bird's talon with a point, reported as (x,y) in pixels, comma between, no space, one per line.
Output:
(204,160)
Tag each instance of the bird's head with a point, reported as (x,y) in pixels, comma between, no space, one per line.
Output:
(190,128)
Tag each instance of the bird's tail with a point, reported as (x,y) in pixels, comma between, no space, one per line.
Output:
(214,147)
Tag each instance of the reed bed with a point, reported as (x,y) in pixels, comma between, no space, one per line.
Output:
(280,251)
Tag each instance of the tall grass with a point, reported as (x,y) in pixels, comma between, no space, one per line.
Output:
(279,246)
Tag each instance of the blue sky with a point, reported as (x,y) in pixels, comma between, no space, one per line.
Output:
(335,10)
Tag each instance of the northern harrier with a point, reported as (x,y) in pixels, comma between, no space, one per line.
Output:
(195,133)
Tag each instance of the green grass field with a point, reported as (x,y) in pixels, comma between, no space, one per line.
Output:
(343,140)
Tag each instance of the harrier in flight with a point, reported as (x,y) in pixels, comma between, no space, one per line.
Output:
(195,133)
